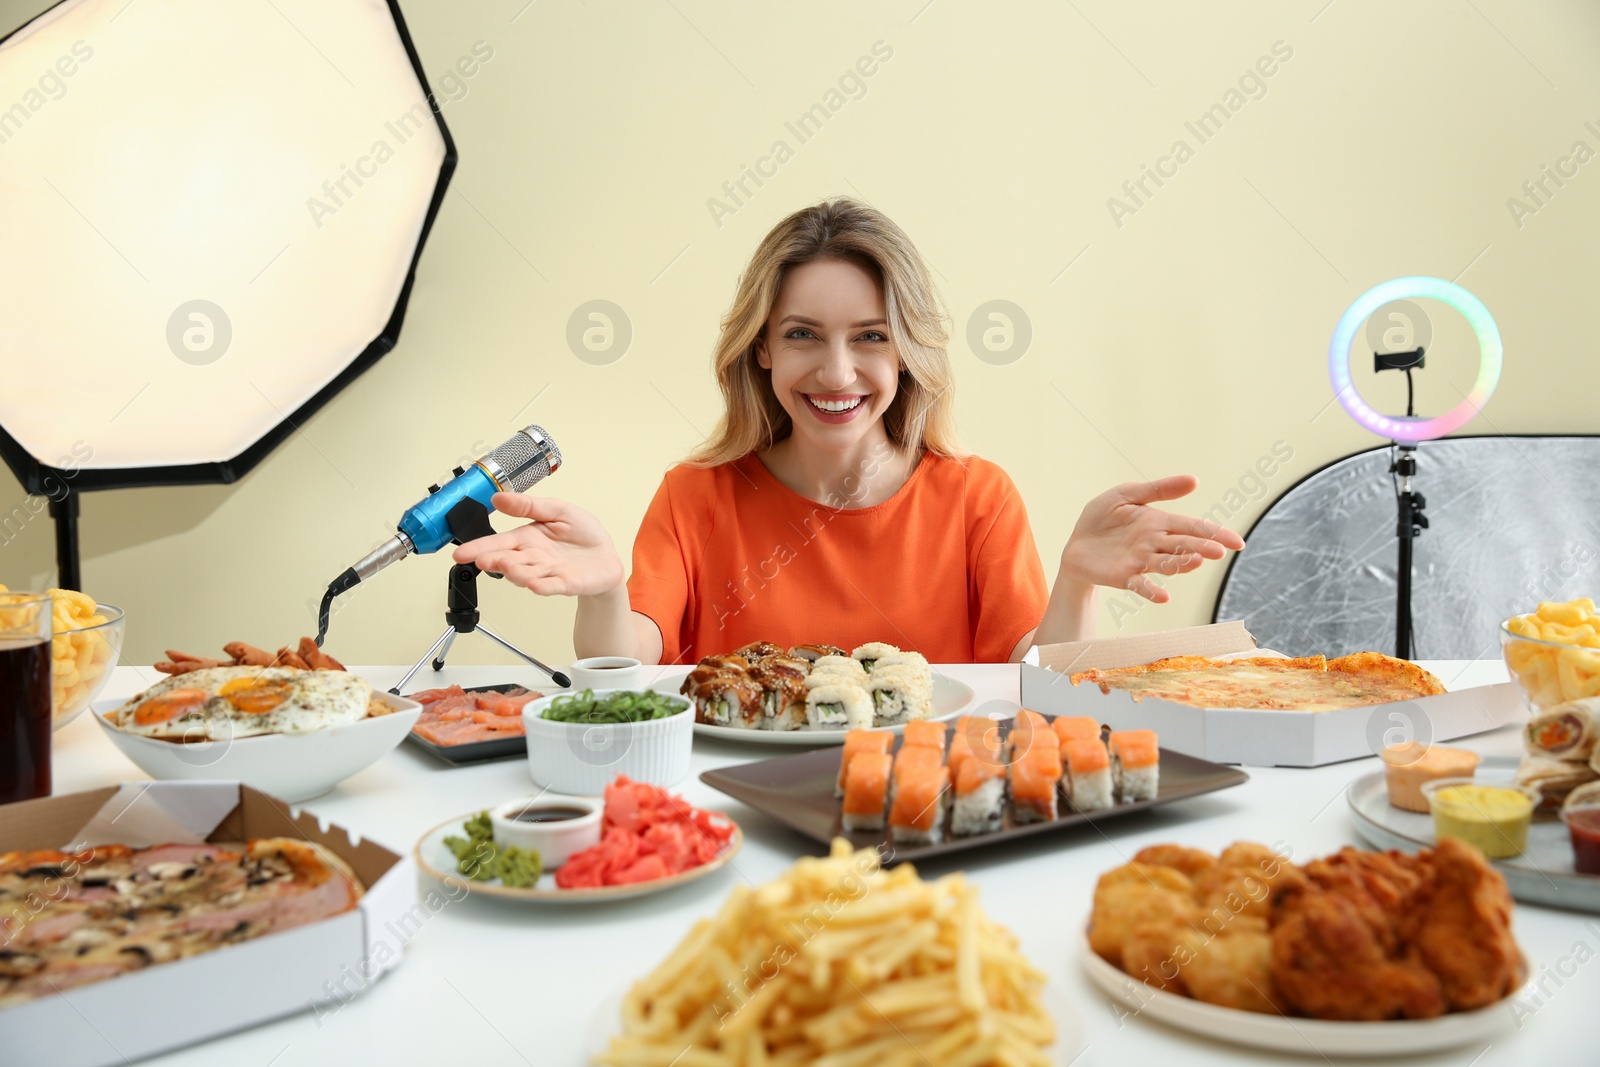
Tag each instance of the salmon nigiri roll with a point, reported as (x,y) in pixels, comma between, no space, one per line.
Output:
(1072,727)
(925,734)
(913,757)
(866,791)
(920,796)
(1135,764)
(980,788)
(1033,785)
(855,743)
(1088,779)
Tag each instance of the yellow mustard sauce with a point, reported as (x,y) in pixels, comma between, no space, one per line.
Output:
(1493,818)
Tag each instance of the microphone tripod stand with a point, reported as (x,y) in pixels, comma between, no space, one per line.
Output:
(468,521)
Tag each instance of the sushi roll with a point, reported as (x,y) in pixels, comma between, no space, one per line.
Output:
(756,651)
(980,798)
(868,654)
(916,816)
(855,743)
(1029,731)
(927,734)
(838,669)
(723,696)
(866,791)
(914,660)
(1088,779)
(812,653)
(783,692)
(1135,764)
(898,695)
(914,757)
(838,707)
(1033,786)
(1073,727)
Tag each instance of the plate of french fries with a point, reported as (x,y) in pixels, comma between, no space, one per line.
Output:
(1554,651)
(841,963)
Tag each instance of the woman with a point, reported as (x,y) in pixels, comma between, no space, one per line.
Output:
(832,503)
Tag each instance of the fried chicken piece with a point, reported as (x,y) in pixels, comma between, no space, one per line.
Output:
(1189,862)
(1459,926)
(1157,950)
(1234,970)
(1333,958)
(1133,894)
(1243,882)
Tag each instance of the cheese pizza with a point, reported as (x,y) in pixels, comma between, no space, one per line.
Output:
(1312,683)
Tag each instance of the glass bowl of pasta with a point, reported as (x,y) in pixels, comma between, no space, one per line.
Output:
(86,644)
(1554,652)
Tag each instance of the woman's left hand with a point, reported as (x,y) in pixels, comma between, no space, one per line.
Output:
(1120,540)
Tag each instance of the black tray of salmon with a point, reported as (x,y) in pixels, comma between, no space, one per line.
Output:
(480,722)
(943,788)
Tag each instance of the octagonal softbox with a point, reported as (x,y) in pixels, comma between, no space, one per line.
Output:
(213,214)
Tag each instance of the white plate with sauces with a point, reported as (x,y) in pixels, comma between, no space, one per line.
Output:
(1543,874)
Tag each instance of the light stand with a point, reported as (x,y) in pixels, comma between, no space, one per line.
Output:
(469,520)
(1410,503)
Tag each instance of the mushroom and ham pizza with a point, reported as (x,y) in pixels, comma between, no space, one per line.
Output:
(68,919)
(1312,683)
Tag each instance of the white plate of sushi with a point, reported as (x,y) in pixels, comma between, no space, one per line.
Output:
(949,699)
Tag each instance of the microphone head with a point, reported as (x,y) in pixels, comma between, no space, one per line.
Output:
(526,458)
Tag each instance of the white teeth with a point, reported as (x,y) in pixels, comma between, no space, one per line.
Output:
(835,406)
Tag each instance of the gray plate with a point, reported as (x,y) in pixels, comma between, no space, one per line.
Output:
(1541,875)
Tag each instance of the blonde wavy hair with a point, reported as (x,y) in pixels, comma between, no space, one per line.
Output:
(923,411)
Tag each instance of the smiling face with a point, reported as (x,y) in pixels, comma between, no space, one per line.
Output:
(834,368)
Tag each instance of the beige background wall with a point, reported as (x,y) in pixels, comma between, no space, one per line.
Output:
(1191,337)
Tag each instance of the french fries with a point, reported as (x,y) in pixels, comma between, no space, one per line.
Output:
(79,656)
(1552,676)
(840,963)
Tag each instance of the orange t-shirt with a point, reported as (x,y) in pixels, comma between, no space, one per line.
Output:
(947,566)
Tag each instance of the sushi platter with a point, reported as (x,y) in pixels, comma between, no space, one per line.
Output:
(951,698)
(998,794)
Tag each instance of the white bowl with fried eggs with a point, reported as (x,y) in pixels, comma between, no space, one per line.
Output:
(290,733)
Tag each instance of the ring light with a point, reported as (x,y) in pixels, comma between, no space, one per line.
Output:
(1412,430)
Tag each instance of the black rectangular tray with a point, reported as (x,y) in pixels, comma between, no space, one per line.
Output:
(798,792)
(478,751)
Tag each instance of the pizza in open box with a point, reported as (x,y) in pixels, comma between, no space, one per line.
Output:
(1312,683)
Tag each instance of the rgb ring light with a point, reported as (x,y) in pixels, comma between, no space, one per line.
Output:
(1412,430)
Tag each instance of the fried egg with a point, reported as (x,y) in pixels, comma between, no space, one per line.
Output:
(222,703)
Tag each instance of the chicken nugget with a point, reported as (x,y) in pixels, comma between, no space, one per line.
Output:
(1189,862)
(1157,951)
(1234,970)
(1134,894)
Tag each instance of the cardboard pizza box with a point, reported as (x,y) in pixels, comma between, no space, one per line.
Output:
(313,967)
(1253,738)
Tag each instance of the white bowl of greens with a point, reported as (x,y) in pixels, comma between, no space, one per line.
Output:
(579,742)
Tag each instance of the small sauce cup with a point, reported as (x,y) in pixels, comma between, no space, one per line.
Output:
(1583,823)
(606,672)
(1495,818)
(554,826)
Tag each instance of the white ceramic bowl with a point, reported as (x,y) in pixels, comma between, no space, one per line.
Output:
(554,841)
(583,758)
(606,672)
(291,767)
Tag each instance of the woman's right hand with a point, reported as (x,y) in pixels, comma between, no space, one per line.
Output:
(564,551)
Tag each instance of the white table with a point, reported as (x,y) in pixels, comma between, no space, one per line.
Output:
(486,983)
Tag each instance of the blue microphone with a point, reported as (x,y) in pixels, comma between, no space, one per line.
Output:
(523,460)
